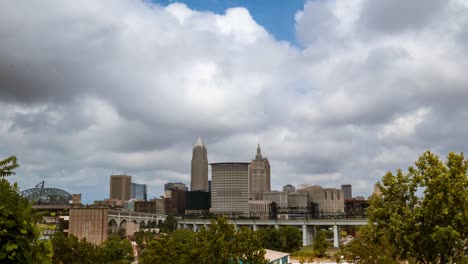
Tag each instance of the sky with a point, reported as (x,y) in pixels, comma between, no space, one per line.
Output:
(335,91)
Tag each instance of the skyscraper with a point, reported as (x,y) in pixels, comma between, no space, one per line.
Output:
(229,188)
(347,191)
(139,192)
(259,176)
(120,187)
(199,178)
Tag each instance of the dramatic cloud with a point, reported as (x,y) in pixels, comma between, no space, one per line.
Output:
(99,87)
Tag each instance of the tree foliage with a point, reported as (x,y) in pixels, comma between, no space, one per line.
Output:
(19,236)
(219,243)
(116,250)
(7,166)
(169,225)
(286,239)
(71,250)
(422,215)
(321,245)
(74,251)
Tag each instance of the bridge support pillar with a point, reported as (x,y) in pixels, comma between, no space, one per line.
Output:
(185,226)
(179,226)
(312,233)
(255,228)
(236,227)
(305,236)
(336,240)
(276,227)
(195,227)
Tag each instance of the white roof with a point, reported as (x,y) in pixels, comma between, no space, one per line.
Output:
(271,255)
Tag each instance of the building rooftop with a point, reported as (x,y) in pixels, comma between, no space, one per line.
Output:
(221,163)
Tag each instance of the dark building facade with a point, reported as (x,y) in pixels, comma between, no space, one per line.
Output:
(347,191)
(197,202)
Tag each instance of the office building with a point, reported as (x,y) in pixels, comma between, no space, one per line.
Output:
(120,187)
(144,207)
(139,192)
(229,188)
(347,191)
(261,209)
(289,188)
(330,200)
(199,175)
(259,176)
(89,222)
(197,203)
(280,198)
(168,187)
(297,200)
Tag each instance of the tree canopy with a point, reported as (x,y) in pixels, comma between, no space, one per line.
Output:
(219,243)
(19,236)
(422,215)
(7,166)
(286,239)
(71,250)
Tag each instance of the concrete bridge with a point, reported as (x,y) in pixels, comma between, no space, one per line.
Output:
(308,226)
(118,219)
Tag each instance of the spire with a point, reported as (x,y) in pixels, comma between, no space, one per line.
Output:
(199,142)
(259,152)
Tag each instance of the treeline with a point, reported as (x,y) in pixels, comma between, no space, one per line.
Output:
(71,250)
(420,216)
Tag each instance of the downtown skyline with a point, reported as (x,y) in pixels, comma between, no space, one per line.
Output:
(335,91)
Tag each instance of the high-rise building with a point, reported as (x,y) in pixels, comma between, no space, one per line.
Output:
(120,187)
(289,188)
(168,187)
(199,176)
(259,176)
(347,191)
(139,192)
(229,188)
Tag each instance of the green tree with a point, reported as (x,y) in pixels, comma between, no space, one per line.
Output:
(292,237)
(71,250)
(168,225)
(272,239)
(320,244)
(19,236)
(287,239)
(116,250)
(369,248)
(248,247)
(219,243)
(423,214)
(7,166)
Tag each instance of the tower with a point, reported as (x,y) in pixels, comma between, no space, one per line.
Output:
(120,187)
(229,188)
(259,176)
(199,176)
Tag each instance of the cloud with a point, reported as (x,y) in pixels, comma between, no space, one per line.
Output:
(96,88)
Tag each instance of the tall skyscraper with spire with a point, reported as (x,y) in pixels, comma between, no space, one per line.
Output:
(259,176)
(199,178)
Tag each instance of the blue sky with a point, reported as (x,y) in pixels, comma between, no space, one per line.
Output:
(276,16)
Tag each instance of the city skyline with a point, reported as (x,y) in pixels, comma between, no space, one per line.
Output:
(335,91)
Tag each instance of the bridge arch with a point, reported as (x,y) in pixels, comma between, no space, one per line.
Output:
(112,226)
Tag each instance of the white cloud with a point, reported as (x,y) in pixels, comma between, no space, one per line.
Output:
(96,86)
